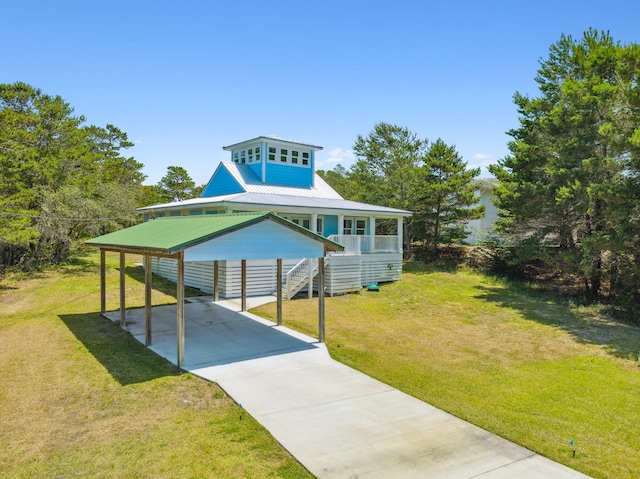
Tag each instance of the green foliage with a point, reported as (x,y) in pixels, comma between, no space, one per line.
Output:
(571,178)
(60,180)
(177,185)
(446,197)
(338,178)
(397,169)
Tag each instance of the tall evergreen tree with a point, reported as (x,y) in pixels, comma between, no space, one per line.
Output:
(572,154)
(60,180)
(446,198)
(385,170)
(177,185)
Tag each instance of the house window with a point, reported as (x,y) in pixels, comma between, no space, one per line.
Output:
(319,226)
(272,153)
(283,155)
(305,158)
(243,157)
(360,227)
(348,227)
(257,153)
(294,157)
(235,157)
(250,155)
(299,220)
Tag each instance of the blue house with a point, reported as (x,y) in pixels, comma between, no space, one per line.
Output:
(274,174)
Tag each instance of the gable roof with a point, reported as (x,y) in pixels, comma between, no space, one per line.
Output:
(175,233)
(246,190)
(230,177)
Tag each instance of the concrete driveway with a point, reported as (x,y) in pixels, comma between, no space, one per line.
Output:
(338,422)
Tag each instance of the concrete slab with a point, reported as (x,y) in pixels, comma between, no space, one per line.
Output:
(338,422)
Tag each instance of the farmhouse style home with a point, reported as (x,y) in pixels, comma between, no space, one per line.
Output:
(277,175)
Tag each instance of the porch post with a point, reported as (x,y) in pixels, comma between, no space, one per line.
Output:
(148,278)
(216,280)
(314,222)
(180,309)
(279,290)
(400,230)
(340,225)
(372,233)
(244,285)
(310,287)
(123,319)
(321,300)
(103,283)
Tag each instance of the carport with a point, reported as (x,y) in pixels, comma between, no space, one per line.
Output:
(239,236)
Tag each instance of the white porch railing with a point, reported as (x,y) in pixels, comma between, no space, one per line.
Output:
(299,276)
(358,244)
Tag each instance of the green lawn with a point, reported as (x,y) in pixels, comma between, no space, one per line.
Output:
(79,397)
(523,365)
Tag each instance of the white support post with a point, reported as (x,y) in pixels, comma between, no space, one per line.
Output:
(180,333)
(321,300)
(400,231)
(244,284)
(314,222)
(340,225)
(216,281)
(123,317)
(372,233)
(148,279)
(103,282)
(310,261)
(279,290)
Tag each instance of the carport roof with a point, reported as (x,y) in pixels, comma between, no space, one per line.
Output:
(170,235)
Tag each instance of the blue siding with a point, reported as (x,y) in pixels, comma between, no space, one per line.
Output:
(289,175)
(265,240)
(222,183)
(256,168)
(330,225)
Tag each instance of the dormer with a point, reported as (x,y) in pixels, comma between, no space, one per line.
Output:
(276,160)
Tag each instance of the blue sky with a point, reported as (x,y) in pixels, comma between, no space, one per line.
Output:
(184,79)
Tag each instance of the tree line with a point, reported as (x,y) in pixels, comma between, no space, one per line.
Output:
(62,180)
(568,193)
(397,169)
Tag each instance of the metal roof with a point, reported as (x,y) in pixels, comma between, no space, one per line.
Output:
(251,183)
(259,196)
(271,138)
(262,201)
(175,233)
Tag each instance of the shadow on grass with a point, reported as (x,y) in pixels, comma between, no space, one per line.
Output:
(128,361)
(588,325)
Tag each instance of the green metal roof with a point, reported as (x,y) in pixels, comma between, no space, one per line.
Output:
(172,234)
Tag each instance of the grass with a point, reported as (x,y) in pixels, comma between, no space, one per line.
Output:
(79,397)
(527,366)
